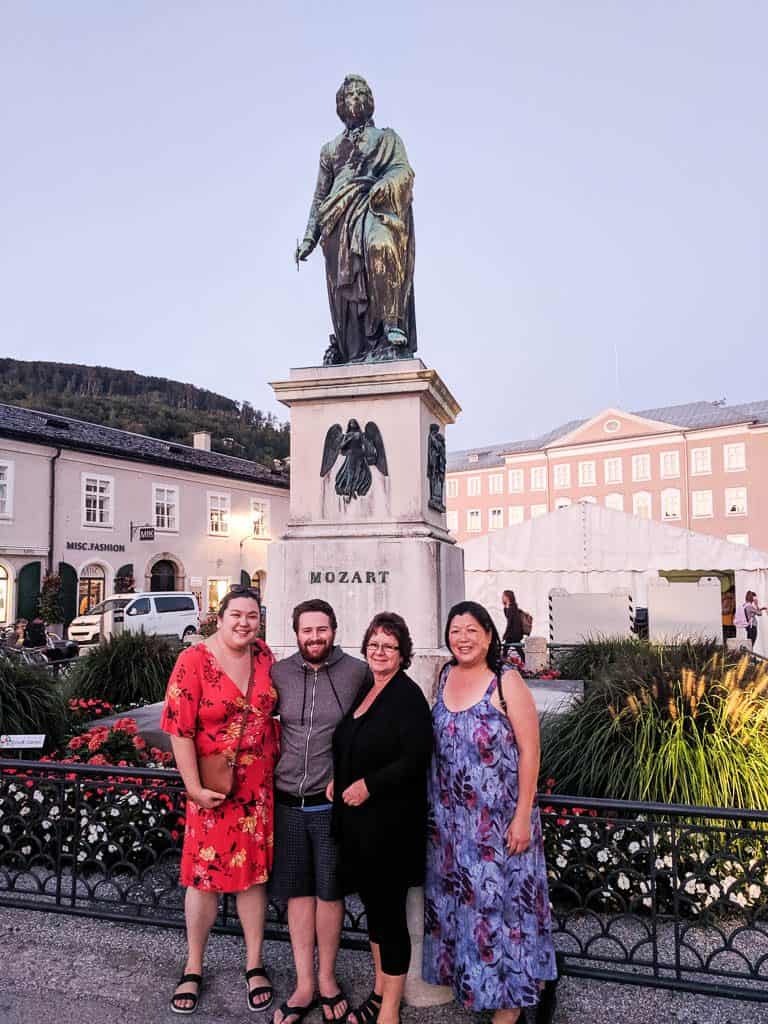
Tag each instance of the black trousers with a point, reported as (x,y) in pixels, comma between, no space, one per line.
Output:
(387,925)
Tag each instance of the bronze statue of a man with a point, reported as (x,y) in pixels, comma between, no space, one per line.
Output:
(361,214)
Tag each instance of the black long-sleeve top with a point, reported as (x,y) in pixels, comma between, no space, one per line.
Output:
(513,633)
(389,747)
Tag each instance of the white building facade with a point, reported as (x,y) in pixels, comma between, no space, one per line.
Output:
(110,510)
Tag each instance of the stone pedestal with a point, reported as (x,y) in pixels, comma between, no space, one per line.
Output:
(387,550)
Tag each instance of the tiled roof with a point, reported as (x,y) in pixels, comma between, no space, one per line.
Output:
(692,416)
(52,429)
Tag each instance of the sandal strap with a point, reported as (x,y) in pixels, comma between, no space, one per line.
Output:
(191,977)
(259,991)
(333,1001)
(300,1012)
(256,972)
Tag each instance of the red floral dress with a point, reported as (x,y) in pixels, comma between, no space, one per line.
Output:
(230,848)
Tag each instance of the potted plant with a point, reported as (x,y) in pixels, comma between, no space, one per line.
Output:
(51,608)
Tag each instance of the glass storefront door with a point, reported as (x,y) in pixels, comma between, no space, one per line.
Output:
(91,589)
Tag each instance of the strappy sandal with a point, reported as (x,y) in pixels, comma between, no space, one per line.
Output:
(299,1012)
(330,1003)
(194,997)
(368,1012)
(258,972)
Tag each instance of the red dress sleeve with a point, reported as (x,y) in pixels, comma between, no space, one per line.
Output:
(182,697)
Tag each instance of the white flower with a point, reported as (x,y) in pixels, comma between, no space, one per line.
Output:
(659,863)
(81,855)
(623,881)
(714,891)
(667,861)
(12,788)
(690,885)
(6,829)
(644,887)
(26,850)
(54,812)
(132,800)
(633,847)
(647,901)
(561,861)
(37,795)
(19,796)
(700,887)
(703,855)
(602,856)
(45,824)
(728,882)
(24,810)
(738,897)
(585,842)
(754,892)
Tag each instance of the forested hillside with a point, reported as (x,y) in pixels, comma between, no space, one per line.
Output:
(161,408)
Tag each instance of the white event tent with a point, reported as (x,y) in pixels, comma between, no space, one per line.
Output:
(588,549)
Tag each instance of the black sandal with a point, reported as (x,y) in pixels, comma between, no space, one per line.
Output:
(194,997)
(299,1012)
(368,1012)
(330,1003)
(258,972)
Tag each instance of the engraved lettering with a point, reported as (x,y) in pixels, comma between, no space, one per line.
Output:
(370,577)
(356,577)
(343,576)
(315,577)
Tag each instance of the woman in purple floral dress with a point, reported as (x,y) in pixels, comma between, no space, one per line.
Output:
(487,930)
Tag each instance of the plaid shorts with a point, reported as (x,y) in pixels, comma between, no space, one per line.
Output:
(306,859)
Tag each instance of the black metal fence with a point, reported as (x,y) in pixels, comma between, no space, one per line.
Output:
(673,897)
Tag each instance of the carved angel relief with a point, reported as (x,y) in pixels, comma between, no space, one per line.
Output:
(360,449)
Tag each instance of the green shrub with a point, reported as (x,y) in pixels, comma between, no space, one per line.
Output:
(615,657)
(676,735)
(31,702)
(126,670)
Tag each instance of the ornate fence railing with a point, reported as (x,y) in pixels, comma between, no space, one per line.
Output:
(650,894)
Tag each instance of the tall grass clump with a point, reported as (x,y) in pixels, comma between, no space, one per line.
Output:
(680,735)
(126,670)
(31,702)
(600,657)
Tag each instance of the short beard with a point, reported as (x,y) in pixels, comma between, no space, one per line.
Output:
(315,660)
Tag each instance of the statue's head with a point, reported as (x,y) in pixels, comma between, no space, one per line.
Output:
(354,100)
(353,427)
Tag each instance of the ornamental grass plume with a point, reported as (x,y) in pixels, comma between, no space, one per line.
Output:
(693,735)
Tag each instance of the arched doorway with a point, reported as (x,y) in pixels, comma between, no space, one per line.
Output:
(91,587)
(5,595)
(163,576)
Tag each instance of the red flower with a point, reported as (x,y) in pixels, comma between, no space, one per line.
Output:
(139,743)
(98,759)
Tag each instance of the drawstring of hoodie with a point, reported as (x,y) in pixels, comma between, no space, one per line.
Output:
(304,698)
(330,680)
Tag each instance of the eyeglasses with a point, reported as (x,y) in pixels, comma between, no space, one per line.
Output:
(383,648)
(240,590)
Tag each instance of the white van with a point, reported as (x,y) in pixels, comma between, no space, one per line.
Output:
(168,613)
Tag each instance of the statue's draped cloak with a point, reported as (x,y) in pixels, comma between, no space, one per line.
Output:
(369,245)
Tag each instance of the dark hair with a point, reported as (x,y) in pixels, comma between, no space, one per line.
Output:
(238,591)
(340,95)
(395,625)
(751,595)
(315,604)
(477,611)
(510,595)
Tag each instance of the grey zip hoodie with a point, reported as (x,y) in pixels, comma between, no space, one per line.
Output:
(312,700)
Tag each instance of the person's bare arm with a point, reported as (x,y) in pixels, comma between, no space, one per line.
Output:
(185,755)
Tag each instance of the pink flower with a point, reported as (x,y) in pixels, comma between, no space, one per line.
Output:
(98,759)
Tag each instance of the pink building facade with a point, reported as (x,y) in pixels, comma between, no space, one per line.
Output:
(700,466)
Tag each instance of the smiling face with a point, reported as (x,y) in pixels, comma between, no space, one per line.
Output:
(315,637)
(383,654)
(468,641)
(240,622)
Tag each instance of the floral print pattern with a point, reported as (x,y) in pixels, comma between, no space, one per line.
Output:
(230,848)
(487,928)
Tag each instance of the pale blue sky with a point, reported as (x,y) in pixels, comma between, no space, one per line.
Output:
(590,176)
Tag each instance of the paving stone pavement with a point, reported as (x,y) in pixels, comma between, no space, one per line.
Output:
(69,970)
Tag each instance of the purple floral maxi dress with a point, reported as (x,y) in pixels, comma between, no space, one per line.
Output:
(487,927)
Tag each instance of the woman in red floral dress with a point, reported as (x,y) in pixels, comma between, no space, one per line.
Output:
(228,840)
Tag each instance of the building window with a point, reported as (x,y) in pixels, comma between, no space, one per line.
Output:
(474,523)
(516,481)
(537,511)
(615,501)
(612,471)
(669,465)
(670,504)
(701,461)
(562,474)
(641,504)
(218,514)
(495,518)
(473,486)
(496,483)
(641,467)
(738,538)
(701,504)
(539,478)
(165,501)
(5,594)
(587,475)
(562,503)
(612,426)
(736,501)
(473,457)
(515,514)
(217,588)
(260,517)
(588,499)
(452,487)
(6,490)
(452,521)
(98,501)
(734,457)
(91,588)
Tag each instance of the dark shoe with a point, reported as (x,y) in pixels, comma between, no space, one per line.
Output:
(256,1007)
(368,1011)
(545,1011)
(299,1012)
(330,1003)
(193,997)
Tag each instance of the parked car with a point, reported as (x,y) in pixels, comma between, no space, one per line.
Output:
(171,613)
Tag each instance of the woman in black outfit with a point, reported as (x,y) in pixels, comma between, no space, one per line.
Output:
(513,633)
(381,753)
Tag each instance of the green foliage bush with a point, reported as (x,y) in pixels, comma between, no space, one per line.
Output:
(31,702)
(618,657)
(126,670)
(663,731)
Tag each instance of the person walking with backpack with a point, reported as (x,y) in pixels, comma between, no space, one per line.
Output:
(745,619)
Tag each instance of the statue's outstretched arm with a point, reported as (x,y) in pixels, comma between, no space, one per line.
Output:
(322,190)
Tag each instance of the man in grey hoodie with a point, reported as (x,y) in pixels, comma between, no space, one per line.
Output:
(316,686)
